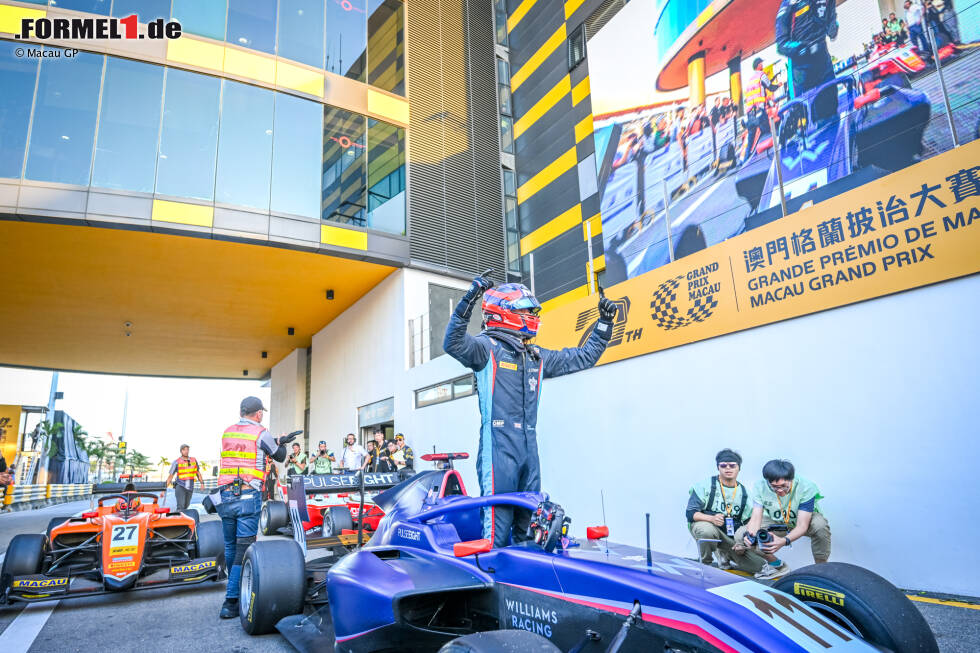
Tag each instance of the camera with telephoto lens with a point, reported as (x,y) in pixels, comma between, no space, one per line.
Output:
(764,537)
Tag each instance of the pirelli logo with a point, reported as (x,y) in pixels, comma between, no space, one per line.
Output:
(508,366)
(39,583)
(818,594)
(189,569)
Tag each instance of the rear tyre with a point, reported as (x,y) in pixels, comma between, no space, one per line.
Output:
(273,517)
(55,521)
(862,601)
(336,519)
(23,558)
(193,514)
(273,585)
(211,542)
(495,641)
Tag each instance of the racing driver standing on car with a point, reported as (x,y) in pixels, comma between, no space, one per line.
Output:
(238,499)
(509,370)
(802,28)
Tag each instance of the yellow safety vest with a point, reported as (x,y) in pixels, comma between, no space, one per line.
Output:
(755,95)
(187,471)
(239,449)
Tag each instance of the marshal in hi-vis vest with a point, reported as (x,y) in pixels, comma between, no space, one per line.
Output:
(187,471)
(239,454)
(755,95)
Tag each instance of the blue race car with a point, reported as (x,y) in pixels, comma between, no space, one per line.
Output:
(427,580)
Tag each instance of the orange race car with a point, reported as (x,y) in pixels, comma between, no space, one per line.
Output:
(127,542)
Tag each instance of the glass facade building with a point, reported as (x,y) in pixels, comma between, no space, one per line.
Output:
(105,122)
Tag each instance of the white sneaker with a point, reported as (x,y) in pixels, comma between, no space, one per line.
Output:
(724,562)
(769,572)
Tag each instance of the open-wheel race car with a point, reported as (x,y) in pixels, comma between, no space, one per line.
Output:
(426,581)
(328,504)
(831,132)
(127,542)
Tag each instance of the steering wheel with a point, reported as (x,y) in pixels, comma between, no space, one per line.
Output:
(548,525)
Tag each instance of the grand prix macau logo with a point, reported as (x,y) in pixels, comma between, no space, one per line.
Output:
(587,320)
(699,293)
(39,583)
(818,594)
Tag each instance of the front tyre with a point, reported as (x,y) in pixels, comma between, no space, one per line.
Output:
(864,603)
(495,641)
(273,584)
(211,541)
(23,557)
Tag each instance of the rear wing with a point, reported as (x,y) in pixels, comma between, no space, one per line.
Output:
(330,483)
(117,488)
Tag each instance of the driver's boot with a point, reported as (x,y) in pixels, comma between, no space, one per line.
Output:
(229,609)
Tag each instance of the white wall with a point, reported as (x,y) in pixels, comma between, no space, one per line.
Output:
(287,403)
(876,402)
(24,387)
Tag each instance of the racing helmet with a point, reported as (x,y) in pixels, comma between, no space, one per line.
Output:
(502,305)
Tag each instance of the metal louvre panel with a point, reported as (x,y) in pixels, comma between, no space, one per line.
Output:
(454,206)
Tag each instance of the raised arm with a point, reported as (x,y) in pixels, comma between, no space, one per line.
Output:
(574,359)
(457,343)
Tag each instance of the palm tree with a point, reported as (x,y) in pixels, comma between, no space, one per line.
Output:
(139,462)
(164,465)
(101,452)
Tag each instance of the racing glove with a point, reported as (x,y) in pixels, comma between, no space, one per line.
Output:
(480,285)
(607,309)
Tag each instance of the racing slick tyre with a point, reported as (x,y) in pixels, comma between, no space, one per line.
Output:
(495,641)
(23,558)
(193,514)
(211,542)
(336,519)
(273,517)
(273,584)
(864,603)
(55,521)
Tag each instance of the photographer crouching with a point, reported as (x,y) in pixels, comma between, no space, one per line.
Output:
(238,499)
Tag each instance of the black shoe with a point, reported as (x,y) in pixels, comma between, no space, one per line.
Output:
(229,609)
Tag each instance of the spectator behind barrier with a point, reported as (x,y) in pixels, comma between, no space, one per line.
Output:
(297,461)
(404,457)
(715,510)
(781,502)
(324,459)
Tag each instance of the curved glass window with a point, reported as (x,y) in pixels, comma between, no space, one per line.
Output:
(64,119)
(90,6)
(386,45)
(189,135)
(343,196)
(297,146)
(244,146)
(386,177)
(204,17)
(17,78)
(145,10)
(677,16)
(252,24)
(301,31)
(129,126)
(346,37)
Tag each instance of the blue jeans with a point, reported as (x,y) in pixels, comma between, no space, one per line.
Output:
(918,39)
(239,518)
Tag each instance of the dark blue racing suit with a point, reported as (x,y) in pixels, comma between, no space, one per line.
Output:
(802,28)
(508,381)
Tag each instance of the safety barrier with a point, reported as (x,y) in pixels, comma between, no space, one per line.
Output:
(69,491)
(210,484)
(18,496)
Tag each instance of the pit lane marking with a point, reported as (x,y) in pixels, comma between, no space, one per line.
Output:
(955,604)
(24,629)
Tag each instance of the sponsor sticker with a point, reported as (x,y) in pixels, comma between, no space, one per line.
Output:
(409,534)
(39,583)
(508,366)
(818,594)
(186,569)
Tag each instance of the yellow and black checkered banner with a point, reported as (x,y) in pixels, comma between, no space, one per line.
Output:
(914,227)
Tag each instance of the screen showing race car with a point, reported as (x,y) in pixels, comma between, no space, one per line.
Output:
(710,116)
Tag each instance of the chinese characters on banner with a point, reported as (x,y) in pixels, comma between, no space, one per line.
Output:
(914,227)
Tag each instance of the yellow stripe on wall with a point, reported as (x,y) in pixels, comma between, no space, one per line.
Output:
(183,213)
(595,224)
(538,58)
(252,66)
(10,17)
(583,128)
(581,91)
(299,78)
(551,172)
(196,53)
(571,6)
(519,13)
(561,300)
(387,107)
(541,107)
(341,237)
(551,229)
